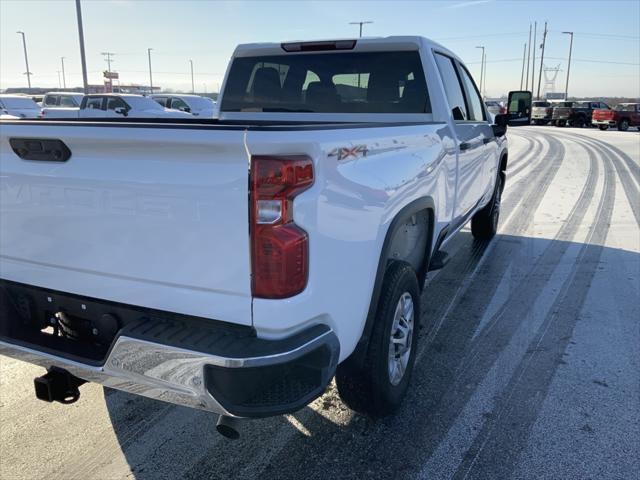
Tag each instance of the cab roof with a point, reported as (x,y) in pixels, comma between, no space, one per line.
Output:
(364,44)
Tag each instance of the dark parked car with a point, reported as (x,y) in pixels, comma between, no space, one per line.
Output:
(623,116)
(577,114)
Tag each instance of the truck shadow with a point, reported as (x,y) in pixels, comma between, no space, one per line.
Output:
(497,327)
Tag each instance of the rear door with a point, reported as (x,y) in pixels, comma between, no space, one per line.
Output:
(478,115)
(471,132)
(156,217)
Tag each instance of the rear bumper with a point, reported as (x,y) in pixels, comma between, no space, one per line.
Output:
(186,362)
(610,123)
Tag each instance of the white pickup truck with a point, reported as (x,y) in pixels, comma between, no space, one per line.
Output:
(113,105)
(236,265)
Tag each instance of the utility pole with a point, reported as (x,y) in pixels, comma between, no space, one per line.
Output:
(533,60)
(83,58)
(193,86)
(481,67)
(150,74)
(566,88)
(64,78)
(524,56)
(26,58)
(526,83)
(59,83)
(360,23)
(544,40)
(484,80)
(108,56)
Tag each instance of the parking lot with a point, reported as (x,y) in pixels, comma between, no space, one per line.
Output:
(527,367)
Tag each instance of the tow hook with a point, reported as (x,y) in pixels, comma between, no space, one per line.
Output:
(228,427)
(58,385)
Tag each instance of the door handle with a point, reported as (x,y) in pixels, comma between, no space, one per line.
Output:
(469,146)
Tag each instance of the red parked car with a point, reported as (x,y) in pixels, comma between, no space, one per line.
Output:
(623,116)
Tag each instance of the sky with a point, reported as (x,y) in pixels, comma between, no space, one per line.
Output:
(605,58)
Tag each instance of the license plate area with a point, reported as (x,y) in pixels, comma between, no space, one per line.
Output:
(61,324)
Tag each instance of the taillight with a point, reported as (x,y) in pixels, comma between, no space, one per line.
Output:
(279,247)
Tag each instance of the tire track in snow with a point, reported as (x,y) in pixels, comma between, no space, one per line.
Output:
(519,404)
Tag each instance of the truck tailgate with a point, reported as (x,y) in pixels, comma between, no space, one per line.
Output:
(155,216)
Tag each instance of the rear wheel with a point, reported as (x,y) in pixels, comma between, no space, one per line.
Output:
(578,122)
(484,224)
(603,127)
(378,386)
(623,125)
(561,123)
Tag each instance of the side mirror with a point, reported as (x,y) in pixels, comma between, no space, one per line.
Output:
(499,126)
(185,109)
(519,108)
(122,111)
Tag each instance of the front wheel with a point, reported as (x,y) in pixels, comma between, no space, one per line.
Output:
(484,224)
(623,125)
(378,387)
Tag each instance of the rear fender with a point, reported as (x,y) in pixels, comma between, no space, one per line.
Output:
(418,205)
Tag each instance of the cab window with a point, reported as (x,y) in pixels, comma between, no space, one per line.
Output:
(115,102)
(452,87)
(94,103)
(51,100)
(475,103)
(178,103)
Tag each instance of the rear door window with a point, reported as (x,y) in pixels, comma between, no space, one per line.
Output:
(350,82)
(452,87)
(66,101)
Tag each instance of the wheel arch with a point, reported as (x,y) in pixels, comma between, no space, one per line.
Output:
(425,205)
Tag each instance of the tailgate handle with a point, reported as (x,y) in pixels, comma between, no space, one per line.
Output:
(40,149)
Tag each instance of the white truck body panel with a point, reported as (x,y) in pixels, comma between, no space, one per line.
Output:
(131,219)
(158,216)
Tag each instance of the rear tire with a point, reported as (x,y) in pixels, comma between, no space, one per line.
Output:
(603,127)
(623,125)
(375,388)
(561,123)
(484,224)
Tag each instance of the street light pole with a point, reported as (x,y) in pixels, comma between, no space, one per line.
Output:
(64,79)
(566,88)
(150,74)
(26,58)
(193,86)
(526,83)
(83,59)
(360,24)
(481,68)
(533,60)
(524,56)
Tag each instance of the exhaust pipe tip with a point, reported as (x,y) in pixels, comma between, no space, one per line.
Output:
(228,427)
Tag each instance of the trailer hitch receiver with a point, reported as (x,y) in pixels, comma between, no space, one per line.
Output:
(58,385)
